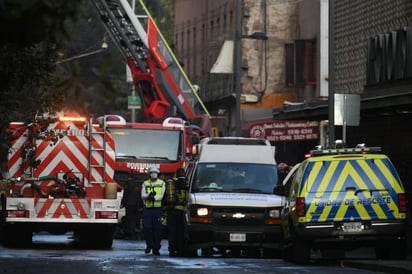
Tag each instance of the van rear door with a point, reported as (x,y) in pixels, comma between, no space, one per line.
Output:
(351,188)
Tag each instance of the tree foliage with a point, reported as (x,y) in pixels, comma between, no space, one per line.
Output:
(42,32)
(35,30)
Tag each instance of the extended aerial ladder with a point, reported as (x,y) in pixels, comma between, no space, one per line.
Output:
(158,78)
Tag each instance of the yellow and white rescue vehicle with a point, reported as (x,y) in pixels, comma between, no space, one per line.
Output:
(342,199)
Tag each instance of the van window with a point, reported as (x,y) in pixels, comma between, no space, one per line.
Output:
(234,177)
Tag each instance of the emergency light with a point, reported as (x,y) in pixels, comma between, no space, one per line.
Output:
(111,120)
(359,149)
(76,119)
(173,122)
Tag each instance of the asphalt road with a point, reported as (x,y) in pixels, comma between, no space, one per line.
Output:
(57,254)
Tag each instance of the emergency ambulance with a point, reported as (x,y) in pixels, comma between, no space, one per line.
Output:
(342,199)
(232,207)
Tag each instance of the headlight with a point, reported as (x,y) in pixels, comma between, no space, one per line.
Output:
(202,211)
(274,213)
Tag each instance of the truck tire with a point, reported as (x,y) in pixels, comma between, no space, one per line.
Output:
(189,251)
(287,252)
(16,236)
(96,237)
(392,251)
(3,210)
(272,253)
(300,251)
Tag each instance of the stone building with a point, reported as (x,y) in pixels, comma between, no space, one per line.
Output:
(205,40)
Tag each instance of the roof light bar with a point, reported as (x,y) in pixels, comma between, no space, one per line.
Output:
(77,119)
(174,122)
(356,150)
(111,120)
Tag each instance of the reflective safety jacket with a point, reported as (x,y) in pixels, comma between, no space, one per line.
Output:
(148,187)
(182,195)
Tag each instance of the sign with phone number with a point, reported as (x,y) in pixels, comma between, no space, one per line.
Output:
(285,131)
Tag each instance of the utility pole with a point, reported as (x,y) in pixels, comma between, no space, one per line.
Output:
(237,62)
(331,77)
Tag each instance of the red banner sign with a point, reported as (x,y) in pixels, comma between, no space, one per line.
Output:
(284,130)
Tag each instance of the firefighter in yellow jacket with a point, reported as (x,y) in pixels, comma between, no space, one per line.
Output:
(176,208)
(152,194)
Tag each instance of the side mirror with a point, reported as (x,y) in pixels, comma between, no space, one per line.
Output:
(279,190)
(195,140)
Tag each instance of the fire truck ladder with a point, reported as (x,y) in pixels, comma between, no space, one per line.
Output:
(97,153)
(163,79)
(127,34)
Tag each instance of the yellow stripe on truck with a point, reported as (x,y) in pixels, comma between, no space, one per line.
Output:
(355,185)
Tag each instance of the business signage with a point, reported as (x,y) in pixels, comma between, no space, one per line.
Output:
(284,130)
(389,56)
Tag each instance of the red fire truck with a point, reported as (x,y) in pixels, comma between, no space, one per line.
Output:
(165,145)
(173,114)
(60,179)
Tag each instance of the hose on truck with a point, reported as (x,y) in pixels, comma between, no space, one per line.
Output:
(66,188)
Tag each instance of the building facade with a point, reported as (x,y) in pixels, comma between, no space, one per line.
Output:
(314,49)
(205,39)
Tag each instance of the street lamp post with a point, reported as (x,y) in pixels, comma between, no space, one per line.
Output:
(103,47)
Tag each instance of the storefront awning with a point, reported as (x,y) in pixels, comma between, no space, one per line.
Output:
(224,62)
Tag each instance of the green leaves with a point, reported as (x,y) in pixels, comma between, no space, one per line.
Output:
(35,21)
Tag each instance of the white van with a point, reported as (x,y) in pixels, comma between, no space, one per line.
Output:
(232,207)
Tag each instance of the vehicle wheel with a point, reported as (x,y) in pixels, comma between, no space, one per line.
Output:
(3,210)
(98,238)
(106,240)
(287,252)
(399,251)
(333,253)
(189,252)
(392,251)
(14,236)
(253,252)
(272,253)
(234,252)
(300,251)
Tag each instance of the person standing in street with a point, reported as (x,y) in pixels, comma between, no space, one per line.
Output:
(153,191)
(176,209)
(283,170)
(133,204)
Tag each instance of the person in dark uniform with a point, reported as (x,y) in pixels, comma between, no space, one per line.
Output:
(133,204)
(176,208)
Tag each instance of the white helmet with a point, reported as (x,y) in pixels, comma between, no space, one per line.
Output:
(153,169)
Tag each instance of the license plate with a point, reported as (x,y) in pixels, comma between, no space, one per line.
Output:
(352,227)
(237,237)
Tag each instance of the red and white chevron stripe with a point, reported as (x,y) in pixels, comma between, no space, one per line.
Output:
(71,152)
(62,208)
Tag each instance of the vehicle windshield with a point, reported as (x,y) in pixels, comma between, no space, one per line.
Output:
(234,177)
(147,144)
